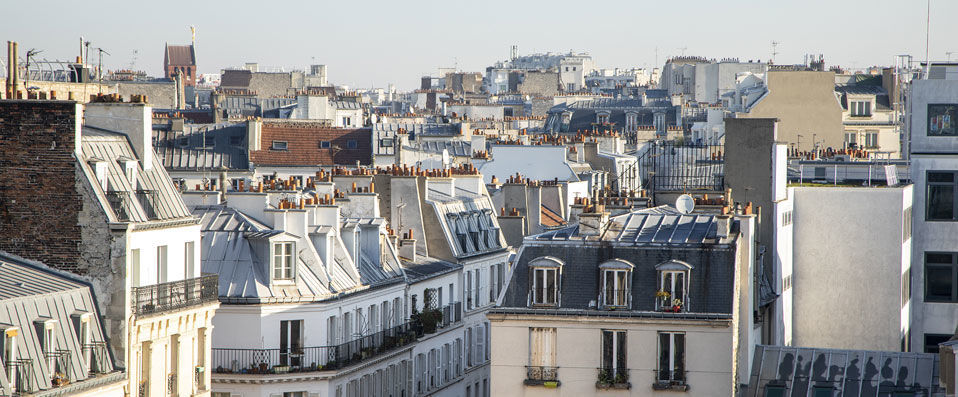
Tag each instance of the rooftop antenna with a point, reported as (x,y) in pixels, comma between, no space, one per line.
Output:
(193,34)
(133,60)
(515,52)
(99,69)
(775,49)
(948,54)
(26,75)
(683,50)
(927,37)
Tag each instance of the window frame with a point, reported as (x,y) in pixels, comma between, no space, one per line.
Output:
(672,268)
(619,350)
(954,276)
(671,353)
(279,145)
(954,193)
(548,295)
(616,267)
(952,123)
(287,272)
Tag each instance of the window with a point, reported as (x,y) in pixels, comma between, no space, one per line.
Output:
(933,340)
(49,344)
(941,119)
(822,391)
(941,196)
(291,343)
(161,276)
(774,391)
(352,144)
(280,145)
(851,139)
(871,139)
(546,281)
(294,394)
(906,225)
(861,108)
(189,261)
(613,352)
(283,261)
(325,144)
(673,286)
(386,142)
(236,140)
(468,288)
(347,121)
(542,347)
(940,277)
(905,287)
(602,118)
(671,356)
(616,276)
(135,267)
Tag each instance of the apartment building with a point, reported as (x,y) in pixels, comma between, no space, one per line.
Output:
(648,302)
(119,223)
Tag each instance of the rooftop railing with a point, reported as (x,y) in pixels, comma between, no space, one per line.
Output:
(318,358)
(175,295)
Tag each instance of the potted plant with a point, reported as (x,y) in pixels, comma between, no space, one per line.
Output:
(280,369)
(676,305)
(663,297)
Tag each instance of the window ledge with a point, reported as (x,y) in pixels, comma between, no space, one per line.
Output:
(670,386)
(613,386)
(549,384)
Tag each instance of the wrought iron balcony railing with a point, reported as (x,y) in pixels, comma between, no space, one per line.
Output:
(97,357)
(175,295)
(542,375)
(318,358)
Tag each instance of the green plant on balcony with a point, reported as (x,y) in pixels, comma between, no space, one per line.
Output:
(429,320)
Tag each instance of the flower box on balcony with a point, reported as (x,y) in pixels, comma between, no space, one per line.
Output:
(670,385)
(614,386)
(280,369)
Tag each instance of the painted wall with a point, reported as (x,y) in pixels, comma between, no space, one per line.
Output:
(805,104)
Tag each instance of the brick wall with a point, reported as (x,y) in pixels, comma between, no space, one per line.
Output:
(303,145)
(39,202)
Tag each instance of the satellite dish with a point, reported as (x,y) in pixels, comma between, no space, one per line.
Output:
(685,204)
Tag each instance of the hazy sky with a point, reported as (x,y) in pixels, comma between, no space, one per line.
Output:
(374,43)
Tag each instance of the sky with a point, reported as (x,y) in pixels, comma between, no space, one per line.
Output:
(375,43)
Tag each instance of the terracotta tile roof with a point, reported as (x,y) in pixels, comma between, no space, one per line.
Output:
(304,143)
(180,55)
(550,218)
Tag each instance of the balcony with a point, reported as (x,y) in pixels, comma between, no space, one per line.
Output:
(62,367)
(97,357)
(171,384)
(670,380)
(308,359)
(20,376)
(175,295)
(144,389)
(613,378)
(451,314)
(542,376)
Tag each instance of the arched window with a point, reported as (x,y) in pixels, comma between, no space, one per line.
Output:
(673,286)
(545,276)
(616,278)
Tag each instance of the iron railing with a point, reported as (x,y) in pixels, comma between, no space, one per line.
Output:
(175,294)
(62,367)
(542,374)
(117,201)
(613,375)
(615,298)
(98,356)
(672,376)
(20,374)
(667,166)
(451,314)
(171,384)
(319,358)
(144,389)
(147,198)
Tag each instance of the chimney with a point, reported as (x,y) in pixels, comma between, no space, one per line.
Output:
(254,133)
(407,246)
(723,224)
(135,120)
(592,223)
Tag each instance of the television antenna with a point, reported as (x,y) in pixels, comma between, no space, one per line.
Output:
(775,49)
(683,50)
(133,60)
(949,54)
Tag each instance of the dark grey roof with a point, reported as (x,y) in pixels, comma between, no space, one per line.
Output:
(252,106)
(455,148)
(666,237)
(852,373)
(386,130)
(881,95)
(425,268)
(603,103)
(584,115)
(662,226)
(209,148)
(656,93)
(31,293)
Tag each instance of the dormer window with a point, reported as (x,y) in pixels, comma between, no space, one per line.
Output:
(280,145)
(129,169)
(48,342)
(861,108)
(546,273)
(100,171)
(602,118)
(616,276)
(283,261)
(672,295)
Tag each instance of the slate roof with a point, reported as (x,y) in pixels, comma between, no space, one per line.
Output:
(180,55)
(153,198)
(234,78)
(208,148)
(386,130)
(584,114)
(848,373)
(663,236)
(30,293)
(425,268)
(881,96)
(455,148)
(228,250)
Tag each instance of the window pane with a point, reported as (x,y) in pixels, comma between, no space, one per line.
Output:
(664,356)
(939,280)
(620,358)
(539,287)
(946,177)
(943,258)
(679,360)
(551,286)
(680,287)
(774,391)
(941,202)
(606,349)
(609,287)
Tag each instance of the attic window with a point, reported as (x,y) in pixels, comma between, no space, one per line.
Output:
(673,286)
(236,140)
(545,280)
(129,168)
(324,144)
(352,144)
(183,141)
(280,145)
(283,261)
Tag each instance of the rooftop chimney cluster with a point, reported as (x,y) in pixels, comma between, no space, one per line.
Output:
(828,153)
